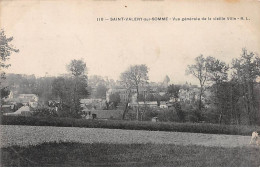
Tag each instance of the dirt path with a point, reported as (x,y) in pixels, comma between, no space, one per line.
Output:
(26,135)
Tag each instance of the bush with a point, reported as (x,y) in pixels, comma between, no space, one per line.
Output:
(44,112)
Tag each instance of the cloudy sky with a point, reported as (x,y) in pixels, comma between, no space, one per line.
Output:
(51,33)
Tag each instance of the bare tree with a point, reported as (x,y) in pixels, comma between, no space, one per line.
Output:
(134,77)
(200,71)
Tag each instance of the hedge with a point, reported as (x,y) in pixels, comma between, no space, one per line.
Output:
(131,125)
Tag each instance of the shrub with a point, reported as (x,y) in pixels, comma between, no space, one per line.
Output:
(44,112)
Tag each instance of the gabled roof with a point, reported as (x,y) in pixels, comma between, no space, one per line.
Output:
(162,103)
(28,95)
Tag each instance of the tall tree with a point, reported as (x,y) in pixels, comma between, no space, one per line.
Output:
(246,70)
(217,74)
(6,50)
(114,99)
(173,91)
(78,84)
(135,77)
(199,71)
(59,88)
(77,68)
(100,91)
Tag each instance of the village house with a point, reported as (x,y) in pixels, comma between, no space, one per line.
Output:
(163,105)
(9,108)
(189,95)
(152,104)
(124,93)
(93,103)
(28,99)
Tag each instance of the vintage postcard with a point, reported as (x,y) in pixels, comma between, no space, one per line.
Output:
(141,83)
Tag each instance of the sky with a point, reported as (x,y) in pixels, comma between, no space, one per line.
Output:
(50,33)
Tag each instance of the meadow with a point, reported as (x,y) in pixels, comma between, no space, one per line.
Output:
(134,155)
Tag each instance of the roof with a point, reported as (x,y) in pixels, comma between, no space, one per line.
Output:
(88,101)
(162,103)
(28,95)
(19,111)
(147,103)
(8,105)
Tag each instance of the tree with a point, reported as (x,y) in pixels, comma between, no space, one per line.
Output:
(199,70)
(59,88)
(216,70)
(227,101)
(217,74)
(246,70)
(115,99)
(5,92)
(95,80)
(43,88)
(100,91)
(134,77)
(142,98)
(173,90)
(180,112)
(150,97)
(77,68)
(6,50)
(77,85)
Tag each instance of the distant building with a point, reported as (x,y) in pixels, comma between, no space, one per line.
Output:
(163,105)
(192,94)
(124,93)
(93,103)
(155,119)
(151,104)
(189,95)
(28,99)
(11,95)
(8,108)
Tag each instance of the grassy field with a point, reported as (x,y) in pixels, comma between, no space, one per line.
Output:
(101,155)
(130,125)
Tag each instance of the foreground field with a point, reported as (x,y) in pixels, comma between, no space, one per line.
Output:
(100,154)
(33,135)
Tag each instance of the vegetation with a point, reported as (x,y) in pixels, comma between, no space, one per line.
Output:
(233,97)
(221,97)
(6,50)
(134,77)
(114,99)
(103,155)
(131,125)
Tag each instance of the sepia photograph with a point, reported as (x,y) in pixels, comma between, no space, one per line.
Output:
(119,83)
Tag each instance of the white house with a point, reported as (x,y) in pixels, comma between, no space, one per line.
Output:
(28,99)
(163,105)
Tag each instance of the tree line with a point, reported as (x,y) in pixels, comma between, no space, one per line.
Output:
(234,88)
